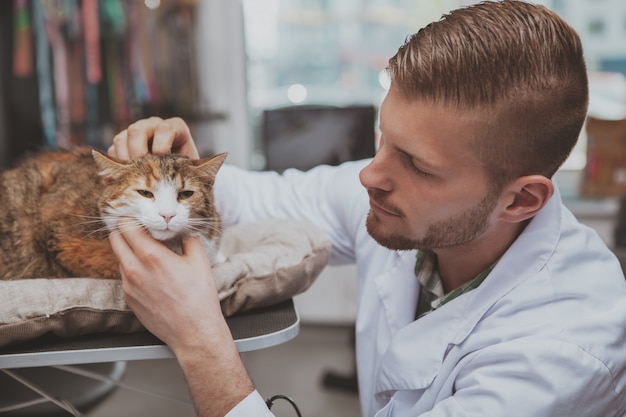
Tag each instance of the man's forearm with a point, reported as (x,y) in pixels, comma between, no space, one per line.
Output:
(216,377)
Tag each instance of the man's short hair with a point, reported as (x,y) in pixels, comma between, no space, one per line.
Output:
(519,65)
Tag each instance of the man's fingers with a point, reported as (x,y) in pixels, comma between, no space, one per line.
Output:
(173,136)
(119,245)
(154,135)
(165,138)
(138,239)
(193,248)
(140,136)
(128,263)
(119,148)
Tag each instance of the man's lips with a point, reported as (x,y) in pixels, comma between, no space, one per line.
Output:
(378,209)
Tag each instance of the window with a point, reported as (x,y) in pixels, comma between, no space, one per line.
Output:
(322,52)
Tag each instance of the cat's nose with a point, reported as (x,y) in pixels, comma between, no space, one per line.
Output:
(167,217)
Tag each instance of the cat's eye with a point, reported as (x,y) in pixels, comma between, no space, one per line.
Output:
(145,193)
(183,195)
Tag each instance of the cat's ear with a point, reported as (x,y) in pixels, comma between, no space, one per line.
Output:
(208,167)
(107,167)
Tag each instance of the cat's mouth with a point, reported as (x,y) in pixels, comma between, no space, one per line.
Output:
(170,238)
(164,234)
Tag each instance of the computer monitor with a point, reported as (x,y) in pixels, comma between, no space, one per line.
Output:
(303,137)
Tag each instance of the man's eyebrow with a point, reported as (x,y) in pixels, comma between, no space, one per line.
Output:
(422,162)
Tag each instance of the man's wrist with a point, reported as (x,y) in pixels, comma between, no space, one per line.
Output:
(217,379)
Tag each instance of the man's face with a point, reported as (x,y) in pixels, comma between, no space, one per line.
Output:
(427,187)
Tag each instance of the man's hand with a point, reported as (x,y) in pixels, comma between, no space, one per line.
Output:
(175,298)
(166,290)
(155,135)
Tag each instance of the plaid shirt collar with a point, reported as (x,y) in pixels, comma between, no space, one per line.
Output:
(431,291)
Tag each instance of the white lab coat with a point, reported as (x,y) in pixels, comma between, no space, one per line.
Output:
(544,334)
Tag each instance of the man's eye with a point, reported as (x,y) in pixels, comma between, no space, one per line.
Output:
(183,195)
(420,172)
(145,193)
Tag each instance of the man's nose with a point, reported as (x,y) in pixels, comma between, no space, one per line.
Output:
(377,173)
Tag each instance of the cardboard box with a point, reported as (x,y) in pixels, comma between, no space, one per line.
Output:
(605,171)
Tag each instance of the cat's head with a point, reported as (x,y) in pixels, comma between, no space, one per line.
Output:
(169,195)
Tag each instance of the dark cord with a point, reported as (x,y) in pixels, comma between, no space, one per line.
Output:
(270,403)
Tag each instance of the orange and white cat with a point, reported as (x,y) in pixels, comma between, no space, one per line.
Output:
(58,207)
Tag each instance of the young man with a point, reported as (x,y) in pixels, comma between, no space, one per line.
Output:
(479,292)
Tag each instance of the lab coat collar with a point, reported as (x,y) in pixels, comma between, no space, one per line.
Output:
(528,255)
(398,289)
(418,348)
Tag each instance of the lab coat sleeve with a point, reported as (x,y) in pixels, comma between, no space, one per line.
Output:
(330,197)
(541,379)
(251,406)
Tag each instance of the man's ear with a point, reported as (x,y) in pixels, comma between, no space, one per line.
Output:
(525,196)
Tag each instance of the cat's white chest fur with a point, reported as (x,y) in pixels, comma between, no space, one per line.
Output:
(211,248)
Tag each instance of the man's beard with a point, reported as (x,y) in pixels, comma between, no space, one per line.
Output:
(457,230)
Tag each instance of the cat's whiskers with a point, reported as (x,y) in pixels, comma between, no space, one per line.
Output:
(102,221)
(129,225)
(200,231)
(199,228)
(94,220)
(213,221)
